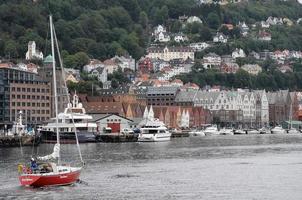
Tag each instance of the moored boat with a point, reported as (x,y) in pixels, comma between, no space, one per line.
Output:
(211,130)
(253,131)
(226,131)
(278,130)
(82,122)
(293,131)
(239,132)
(264,130)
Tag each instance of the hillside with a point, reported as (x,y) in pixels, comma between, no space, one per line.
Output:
(102,28)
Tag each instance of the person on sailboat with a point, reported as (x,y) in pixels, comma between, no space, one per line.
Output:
(33,165)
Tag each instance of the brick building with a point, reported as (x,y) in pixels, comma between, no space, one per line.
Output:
(23,91)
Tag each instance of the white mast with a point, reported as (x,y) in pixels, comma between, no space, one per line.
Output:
(67,93)
(54,81)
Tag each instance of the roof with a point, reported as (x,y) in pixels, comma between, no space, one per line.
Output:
(98,117)
(162,90)
(158,49)
(48,59)
(103,107)
(100,70)
(185,96)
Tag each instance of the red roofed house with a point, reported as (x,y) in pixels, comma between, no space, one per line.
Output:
(264,36)
(145,65)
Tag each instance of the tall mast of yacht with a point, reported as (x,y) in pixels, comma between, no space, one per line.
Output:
(54,80)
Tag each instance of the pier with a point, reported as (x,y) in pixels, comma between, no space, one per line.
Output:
(15,141)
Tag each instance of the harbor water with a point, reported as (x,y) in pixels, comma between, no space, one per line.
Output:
(218,167)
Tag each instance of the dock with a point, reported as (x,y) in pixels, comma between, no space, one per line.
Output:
(118,137)
(178,134)
(16,141)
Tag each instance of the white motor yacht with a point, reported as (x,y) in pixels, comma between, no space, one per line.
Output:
(154,131)
(278,130)
(226,131)
(211,130)
(264,130)
(293,131)
(73,119)
(239,132)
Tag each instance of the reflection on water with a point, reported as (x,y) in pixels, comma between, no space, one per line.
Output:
(222,167)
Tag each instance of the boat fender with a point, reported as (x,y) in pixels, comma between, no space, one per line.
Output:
(20,168)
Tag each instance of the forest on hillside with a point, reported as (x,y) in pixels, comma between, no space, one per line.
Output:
(102,28)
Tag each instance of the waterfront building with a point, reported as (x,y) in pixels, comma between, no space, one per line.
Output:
(231,107)
(161,96)
(46,73)
(23,91)
(116,122)
(279,106)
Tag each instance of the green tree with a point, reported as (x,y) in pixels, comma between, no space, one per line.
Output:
(213,20)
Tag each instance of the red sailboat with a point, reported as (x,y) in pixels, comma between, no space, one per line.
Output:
(47,172)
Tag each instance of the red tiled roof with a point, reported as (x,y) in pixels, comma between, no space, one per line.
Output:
(104,107)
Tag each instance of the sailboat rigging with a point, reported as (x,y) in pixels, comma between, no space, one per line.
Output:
(50,173)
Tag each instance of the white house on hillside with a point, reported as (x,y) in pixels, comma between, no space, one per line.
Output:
(32,52)
(100,73)
(211,60)
(220,37)
(124,62)
(252,68)
(193,19)
(93,64)
(238,53)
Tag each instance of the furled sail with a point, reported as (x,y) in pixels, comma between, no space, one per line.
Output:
(55,154)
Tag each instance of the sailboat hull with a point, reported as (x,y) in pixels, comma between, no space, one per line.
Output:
(50,179)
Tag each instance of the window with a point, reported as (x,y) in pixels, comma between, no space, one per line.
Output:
(28,96)
(13,88)
(23,96)
(28,89)
(23,103)
(23,90)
